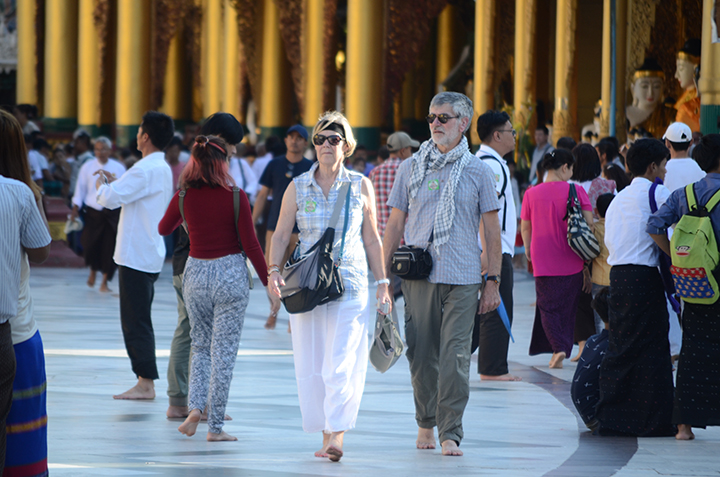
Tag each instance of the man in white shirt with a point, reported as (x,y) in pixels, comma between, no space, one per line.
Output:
(82,149)
(681,169)
(542,147)
(244,177)
(143,192)
(98,234)
(489,334)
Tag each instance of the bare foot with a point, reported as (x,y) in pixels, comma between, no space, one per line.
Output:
(335,444)
(104,288)
(556,361)
(323,450)
(91,279)
(425,439)
(271,321)
(223,436)
(190,425)
(144,389)
(581,347)
(175,412)
(502,377)
(450,447)
(685,433)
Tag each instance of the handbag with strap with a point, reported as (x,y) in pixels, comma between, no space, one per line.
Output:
(314,279)
(412,263)
(236,213)
(387,346)
(580,238)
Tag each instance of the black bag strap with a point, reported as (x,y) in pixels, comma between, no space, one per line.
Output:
(503,188)
(236,213)
(572,199)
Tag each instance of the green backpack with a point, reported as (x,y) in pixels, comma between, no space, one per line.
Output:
(695,252)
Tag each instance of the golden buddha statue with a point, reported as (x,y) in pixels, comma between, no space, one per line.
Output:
(647,111)
(688,67)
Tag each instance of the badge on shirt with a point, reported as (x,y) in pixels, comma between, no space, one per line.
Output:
(433,184)
(310,206)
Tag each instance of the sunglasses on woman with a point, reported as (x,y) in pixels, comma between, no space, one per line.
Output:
(443,118)
(319,140)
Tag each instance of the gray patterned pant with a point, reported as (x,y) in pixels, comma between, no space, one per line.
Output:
(216,295)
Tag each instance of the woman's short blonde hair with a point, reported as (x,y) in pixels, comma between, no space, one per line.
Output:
(330,117)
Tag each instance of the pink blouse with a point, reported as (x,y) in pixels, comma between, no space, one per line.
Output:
(545,206)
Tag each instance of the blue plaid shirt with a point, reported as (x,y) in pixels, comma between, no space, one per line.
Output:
(458,262)
(313,217)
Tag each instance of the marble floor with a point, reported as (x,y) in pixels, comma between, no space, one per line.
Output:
(511,429)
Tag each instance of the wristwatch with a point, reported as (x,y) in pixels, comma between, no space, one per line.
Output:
(494,278)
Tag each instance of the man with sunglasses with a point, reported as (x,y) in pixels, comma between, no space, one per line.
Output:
(277,176)
(444,191)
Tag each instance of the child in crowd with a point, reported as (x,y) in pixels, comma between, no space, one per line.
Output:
(600,267)
(584,390)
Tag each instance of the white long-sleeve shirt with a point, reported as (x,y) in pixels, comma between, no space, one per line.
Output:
(144,193)
(85,192)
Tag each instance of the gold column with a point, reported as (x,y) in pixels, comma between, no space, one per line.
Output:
(524,52)
(314,33)
(231,84)
(484,35)
(61,48)
(275,93)
(176,97)
(363,87)
(212,55)
(448,44)
(88,85)
(709,84)
(26,83)
(564,59)
(621,8)
(132,97)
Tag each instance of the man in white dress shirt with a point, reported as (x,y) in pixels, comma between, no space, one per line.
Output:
(143,192)
(489,334)
(100,230)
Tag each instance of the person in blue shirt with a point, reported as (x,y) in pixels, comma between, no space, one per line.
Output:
(585,389)
(697,391)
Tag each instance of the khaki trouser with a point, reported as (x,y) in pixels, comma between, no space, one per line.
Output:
(439,321)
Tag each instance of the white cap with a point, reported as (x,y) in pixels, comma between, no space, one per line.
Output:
(678,132)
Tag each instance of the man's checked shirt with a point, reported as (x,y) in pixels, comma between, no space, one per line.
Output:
(383,177)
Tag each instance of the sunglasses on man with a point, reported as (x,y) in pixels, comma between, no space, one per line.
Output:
(443,118)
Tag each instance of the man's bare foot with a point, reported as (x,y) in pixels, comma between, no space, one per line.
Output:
(223,436)
(685,433)
(450,447)
(335,445)
(104,288)
(271,321)
(556,361)
(425,439)
(190,425)
(176,412)
(581,347)
(91,279)
(144,389)
(323,450)
(502,377)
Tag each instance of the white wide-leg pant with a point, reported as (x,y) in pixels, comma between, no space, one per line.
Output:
(330,347)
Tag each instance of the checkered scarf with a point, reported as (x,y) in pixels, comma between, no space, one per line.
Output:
(430,159)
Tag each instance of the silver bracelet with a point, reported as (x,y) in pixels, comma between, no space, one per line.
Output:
(386,281)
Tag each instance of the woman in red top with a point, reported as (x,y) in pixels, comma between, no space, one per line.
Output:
(215,282)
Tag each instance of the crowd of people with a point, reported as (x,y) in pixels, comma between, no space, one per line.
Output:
(211,203)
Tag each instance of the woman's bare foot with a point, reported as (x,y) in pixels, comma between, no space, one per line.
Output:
(223,436)
(556,361)
(425,438)
(176,412)
(271,321)
(323,450)
(104,288)
(450,447)
(190,425)
(685,433)
(502,377)
(581,347)
(91,278)
(335,445)
(144,389)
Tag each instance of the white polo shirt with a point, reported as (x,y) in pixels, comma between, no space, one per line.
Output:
(144,193)
(502,177)
(85,192)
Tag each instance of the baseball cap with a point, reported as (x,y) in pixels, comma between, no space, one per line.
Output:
(298,129)
(678,132)
(399,140)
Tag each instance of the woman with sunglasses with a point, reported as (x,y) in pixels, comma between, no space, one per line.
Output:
(330,343)
(215,282)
